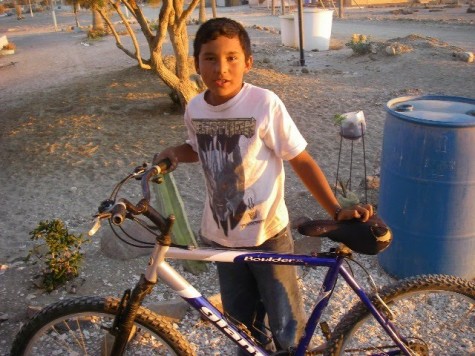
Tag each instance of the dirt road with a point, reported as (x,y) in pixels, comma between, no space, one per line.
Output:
(39,61)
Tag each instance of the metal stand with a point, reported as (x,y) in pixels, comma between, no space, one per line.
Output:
(352,140)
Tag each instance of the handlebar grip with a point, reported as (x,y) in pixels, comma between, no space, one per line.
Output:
(161,166)
(118,213)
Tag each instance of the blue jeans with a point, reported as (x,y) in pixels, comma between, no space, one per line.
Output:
(250,291)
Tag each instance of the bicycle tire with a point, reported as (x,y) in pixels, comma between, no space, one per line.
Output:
(435,313)
(79,327)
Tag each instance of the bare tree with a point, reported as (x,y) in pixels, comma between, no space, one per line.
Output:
(175,71)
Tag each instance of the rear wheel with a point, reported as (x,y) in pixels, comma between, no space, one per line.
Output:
(80,327)
(434,313)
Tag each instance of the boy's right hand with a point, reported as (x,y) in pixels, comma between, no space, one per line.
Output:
(167,153)
(361,212)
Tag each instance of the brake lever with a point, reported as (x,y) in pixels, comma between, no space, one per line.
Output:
(140,170)
(97,222)
(95,227)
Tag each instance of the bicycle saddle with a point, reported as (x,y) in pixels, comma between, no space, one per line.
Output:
(369,238)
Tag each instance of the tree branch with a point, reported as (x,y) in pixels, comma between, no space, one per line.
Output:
(131,33)
(139,16)
(118,41)
(185,14)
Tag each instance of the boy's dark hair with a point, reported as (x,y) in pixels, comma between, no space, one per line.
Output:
(221,26)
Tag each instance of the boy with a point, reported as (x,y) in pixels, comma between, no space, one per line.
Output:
(241,134)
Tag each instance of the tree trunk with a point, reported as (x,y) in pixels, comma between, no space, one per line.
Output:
(97,21)
(213,7)
(202,11)
(18,10)
(76,8)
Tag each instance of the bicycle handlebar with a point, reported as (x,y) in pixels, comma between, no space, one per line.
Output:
(120,209)
(161,166)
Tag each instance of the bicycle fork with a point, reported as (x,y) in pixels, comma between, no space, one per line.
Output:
(122,328)
(131,301)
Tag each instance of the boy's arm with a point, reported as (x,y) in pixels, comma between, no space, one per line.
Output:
(312,176)
(178,154)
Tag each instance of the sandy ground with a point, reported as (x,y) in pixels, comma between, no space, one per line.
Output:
(77,115)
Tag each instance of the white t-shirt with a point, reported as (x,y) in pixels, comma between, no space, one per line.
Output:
(241,145)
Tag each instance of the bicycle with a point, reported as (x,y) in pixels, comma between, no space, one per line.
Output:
(423,315)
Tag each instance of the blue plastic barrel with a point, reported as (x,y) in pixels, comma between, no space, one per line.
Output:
(427,192)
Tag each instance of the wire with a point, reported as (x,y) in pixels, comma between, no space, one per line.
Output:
(368,275)
(119,185)
(147,245)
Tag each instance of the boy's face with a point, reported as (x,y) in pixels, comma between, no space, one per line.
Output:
(222,65)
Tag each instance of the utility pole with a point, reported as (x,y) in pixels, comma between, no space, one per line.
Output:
(300,20)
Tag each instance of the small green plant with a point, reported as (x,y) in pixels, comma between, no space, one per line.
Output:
(60,252)
(360,44)
(338,119)
(348,198)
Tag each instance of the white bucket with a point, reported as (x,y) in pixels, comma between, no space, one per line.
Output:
(287,30)
(316,28)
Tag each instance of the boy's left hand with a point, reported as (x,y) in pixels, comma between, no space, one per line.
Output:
(359,211)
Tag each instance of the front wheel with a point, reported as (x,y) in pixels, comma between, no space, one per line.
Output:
(81,327)
(434,313)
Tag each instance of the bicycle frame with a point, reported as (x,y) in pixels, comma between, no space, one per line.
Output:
(159,269)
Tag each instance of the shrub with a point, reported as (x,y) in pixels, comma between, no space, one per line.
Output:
(60,252)
(9,45)
(360,44)
(94,34)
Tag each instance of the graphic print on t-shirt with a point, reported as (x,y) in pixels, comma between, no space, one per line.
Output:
(221,157)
